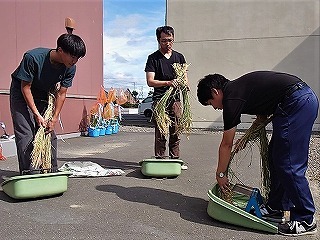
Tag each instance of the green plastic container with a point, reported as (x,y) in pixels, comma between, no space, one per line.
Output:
(161,167)
(36,185)
(229,213)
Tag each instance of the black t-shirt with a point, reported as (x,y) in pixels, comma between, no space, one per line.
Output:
(255,93)
(162,67)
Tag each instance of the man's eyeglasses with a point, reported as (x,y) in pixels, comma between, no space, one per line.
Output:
(169,40)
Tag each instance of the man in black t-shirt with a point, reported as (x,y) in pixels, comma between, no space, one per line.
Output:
(160,75)
(294,108)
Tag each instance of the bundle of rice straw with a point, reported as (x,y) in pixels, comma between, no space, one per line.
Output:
(159,113)
(227,195)
(185,122)
(41,153)
(255,134)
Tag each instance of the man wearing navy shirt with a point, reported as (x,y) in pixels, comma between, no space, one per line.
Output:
(41,71)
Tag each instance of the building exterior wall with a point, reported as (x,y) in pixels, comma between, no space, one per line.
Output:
(38,23)
(235,37)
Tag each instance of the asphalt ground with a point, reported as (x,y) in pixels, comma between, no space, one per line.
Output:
(130,206)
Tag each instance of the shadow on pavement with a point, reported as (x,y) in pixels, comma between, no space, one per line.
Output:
(6,174)
(192,209)
(4,197)
(136,174)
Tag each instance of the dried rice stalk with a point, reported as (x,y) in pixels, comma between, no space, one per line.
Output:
(227,195)
(185,122)
(41,153)
(160,114)
(256,134)
(265,172)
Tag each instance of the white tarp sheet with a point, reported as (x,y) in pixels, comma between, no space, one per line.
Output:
(89,169)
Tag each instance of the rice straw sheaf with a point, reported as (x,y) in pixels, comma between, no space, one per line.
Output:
(41,153)
(256,134)
(185,122)
(227,195)
(160,114)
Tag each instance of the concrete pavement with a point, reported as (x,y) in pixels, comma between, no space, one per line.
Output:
(130,206)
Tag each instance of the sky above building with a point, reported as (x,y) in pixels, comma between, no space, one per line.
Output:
(128,38)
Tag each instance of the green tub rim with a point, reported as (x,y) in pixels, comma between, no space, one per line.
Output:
(268,227)
(156,160)
(40,175)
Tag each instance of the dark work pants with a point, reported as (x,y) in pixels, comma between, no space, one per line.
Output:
(25,129)
(288,154)
(174,112)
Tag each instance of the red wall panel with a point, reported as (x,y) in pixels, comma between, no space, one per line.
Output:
(38,23)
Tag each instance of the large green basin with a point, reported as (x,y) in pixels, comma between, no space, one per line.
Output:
(36,185)
(229,213)
(161,167)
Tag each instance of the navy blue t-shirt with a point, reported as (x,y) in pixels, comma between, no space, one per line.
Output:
(36,68)
(255,93)
(162,67)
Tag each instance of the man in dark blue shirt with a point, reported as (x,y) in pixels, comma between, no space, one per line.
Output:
(41,71)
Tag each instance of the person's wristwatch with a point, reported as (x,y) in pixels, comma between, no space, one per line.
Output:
(221,174)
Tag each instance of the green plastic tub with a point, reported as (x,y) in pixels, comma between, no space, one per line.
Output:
(235,214)
(161,167)
(36,185)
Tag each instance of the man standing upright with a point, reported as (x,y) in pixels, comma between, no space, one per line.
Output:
(160,75)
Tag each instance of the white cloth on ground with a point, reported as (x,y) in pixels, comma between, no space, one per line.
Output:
(89,169)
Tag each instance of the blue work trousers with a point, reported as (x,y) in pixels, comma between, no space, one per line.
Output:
(288,154)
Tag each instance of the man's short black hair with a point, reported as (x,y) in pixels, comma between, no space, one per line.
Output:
(206,84)
(72,44)
(164,29)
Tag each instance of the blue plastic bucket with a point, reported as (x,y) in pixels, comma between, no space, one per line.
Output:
(102,131)
(93,132)
(115,128)
(109,130)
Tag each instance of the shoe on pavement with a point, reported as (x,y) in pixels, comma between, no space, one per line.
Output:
(184,167)
(296,228)
(271,215)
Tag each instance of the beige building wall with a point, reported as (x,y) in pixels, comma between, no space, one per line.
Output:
(240,36)
(38,23)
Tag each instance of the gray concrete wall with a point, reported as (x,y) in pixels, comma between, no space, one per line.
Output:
(240,36)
